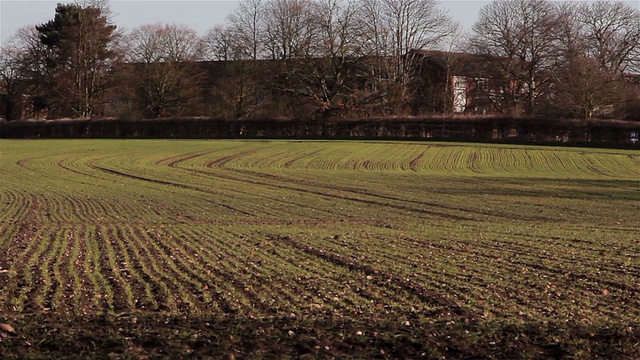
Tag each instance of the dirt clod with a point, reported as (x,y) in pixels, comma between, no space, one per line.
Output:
(7,328)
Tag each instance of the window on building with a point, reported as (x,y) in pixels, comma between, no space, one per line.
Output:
(482,84)
(459,82)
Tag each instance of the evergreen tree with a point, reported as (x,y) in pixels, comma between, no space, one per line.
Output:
(81,59)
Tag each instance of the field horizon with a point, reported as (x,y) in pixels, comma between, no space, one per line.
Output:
(317,249)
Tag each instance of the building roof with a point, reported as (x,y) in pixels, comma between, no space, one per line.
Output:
(463,64)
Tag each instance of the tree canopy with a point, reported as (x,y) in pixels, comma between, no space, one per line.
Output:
(325,58)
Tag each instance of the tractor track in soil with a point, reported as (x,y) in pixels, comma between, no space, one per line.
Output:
(382,277)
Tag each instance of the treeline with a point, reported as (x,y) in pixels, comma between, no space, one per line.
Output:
(320,59)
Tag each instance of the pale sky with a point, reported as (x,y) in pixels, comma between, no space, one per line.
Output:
(199,15)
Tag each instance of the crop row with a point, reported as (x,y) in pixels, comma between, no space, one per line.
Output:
(108,269)
(338,229)
(494,272)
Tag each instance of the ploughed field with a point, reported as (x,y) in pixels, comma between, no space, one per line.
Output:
(317,249)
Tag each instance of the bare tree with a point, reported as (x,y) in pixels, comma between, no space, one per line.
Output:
(242,89)
(521,34)
(239,86)
(398,26)
(164,54)
(220,44)
(414,24)
(392,29)
(247,27)
(21,60)
(162,42)
(582,89)
(289,29)
(328,74)
(611,31)
(375,34)
(32,67)
(13,77)
(241,42)
(595,46)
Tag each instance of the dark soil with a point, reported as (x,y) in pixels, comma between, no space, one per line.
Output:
(141,336)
